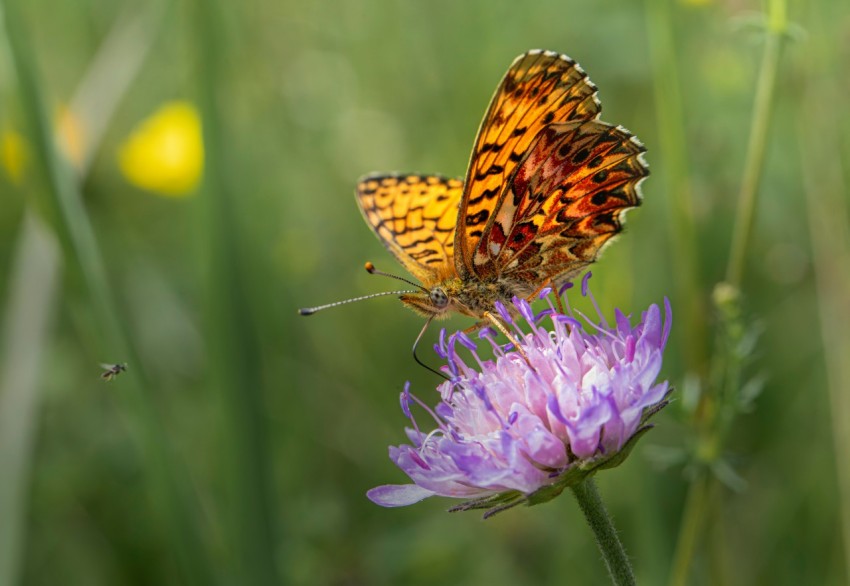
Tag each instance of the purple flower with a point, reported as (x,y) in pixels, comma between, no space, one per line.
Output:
(572,399)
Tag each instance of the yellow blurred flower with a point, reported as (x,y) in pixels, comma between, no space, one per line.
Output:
(70,135)
(13,155)
(165,152)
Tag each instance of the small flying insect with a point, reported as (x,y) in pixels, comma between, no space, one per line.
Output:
(110,371)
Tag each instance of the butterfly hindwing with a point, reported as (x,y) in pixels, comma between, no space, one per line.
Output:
(540,88)
(415,217)
(565,200)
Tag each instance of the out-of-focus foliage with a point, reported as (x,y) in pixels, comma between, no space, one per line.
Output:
(311,95)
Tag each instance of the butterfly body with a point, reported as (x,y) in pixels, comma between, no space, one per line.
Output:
(546,188)
(455,295)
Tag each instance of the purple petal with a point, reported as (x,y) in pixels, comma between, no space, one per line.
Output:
(555,409)
(545,313)
(398,495)
(500,307)
(584,281)
(486,332)
(565,287)
(622,321)
(652,326)
(524,309)
(404,399)
(630,349)
(442,351)
(444,410)
(466,341)
(565,319)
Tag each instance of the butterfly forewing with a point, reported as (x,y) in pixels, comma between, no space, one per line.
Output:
(539,89)
(415,217)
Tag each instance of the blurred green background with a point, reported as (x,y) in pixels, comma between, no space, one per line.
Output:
(239,445)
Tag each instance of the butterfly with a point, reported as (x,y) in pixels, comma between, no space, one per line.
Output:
(546,188)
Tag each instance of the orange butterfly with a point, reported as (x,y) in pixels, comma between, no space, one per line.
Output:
(547,187)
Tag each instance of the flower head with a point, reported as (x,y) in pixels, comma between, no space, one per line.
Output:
(573,398)
(165,152)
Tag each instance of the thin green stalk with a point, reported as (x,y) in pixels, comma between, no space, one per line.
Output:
(34,287)
(674,157)
(826,202)
(27,321)
(65,208)
(693,518)
(605,533)
(234,348)
(712,415)
(757,146)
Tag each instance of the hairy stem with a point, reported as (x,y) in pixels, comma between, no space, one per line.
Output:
(603,529)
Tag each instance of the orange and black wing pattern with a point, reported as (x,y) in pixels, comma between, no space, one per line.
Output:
(415,217)
(566,199)
(539,89)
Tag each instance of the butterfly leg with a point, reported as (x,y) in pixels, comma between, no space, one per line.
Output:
(477,326)
(498,323)
(560,304)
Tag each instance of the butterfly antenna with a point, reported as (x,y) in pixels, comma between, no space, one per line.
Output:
(370,268)
(416,343)
(312,310)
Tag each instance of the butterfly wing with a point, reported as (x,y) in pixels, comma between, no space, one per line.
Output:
(414,216)
(539,89)
(566,199)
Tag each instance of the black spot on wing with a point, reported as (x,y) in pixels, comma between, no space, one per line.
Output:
(581,156)
(477,218)
(491,170)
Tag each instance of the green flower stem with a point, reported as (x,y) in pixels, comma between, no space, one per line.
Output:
(692,521)
(63,206)
(606,535)
(763,107)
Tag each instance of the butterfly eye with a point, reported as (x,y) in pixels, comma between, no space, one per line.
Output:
(439,297)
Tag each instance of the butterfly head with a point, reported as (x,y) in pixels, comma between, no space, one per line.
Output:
(433,302)
(452,296)
(438,300)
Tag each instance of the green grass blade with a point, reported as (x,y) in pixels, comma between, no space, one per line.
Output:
(26,329)
(757,146)
(689,299)
(231,335)
(83,259)
(826,192)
